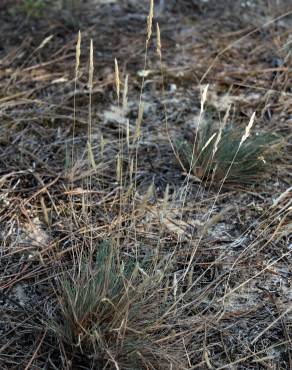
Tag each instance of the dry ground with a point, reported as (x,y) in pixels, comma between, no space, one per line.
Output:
(225,256)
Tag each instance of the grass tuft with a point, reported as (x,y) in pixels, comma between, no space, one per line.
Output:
(212,158)
(113,314)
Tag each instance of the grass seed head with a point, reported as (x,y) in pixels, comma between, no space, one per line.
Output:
(204,97)
(125,95)
(247,129)
(150,20)
(119,168)
(78,53)
(91,66)
(117,79)
(158,46)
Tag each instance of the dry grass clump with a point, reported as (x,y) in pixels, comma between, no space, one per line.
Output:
(228,153)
